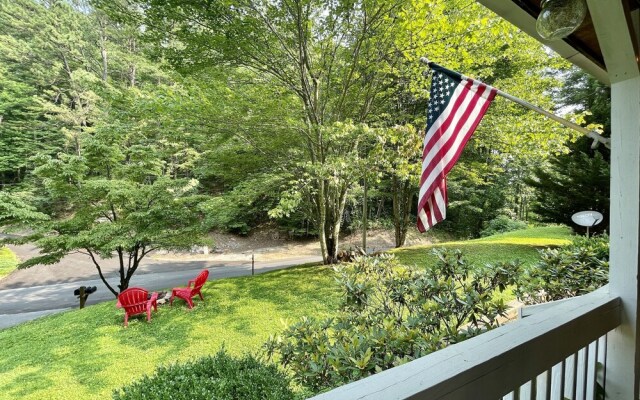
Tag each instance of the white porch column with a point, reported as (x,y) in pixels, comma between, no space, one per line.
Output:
(618,41)
(623,366)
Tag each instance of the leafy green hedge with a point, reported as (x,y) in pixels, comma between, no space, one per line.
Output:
(569,271)
(392,314)
(502,224)
(219,377)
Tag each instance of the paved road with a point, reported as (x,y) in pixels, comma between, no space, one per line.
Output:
(44,290)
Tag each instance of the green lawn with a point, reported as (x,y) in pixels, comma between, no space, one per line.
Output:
(87,353)
(520,245)
(8,262)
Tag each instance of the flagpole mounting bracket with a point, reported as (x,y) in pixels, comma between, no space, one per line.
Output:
(425,61)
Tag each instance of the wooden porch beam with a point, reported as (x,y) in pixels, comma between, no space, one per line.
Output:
(511,12)
(617,38)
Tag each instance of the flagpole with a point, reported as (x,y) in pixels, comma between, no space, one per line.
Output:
(594,135)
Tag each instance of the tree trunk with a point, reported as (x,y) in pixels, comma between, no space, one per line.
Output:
(408,197)
(103,50)
(123,283)
(321,208)
(104,280)
(364,216)
(380,208)
(402,201)
(132,66)
(395,202)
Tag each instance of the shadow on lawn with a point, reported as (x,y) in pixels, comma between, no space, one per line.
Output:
(28,383)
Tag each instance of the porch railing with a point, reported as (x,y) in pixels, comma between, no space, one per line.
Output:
(555,353)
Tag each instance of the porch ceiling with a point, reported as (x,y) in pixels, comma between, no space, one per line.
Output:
(581,47)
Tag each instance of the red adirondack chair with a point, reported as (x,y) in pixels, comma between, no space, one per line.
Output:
(187,293)
(135,300)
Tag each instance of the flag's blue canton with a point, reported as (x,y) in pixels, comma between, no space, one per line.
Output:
(442,87)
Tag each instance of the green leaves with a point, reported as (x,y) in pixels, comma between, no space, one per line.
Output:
(115,196)
(392,314)
(573,182)
(17,210)
(569,271)
(220,376)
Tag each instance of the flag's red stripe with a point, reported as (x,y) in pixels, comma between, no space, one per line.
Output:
(421,228)
(432,210)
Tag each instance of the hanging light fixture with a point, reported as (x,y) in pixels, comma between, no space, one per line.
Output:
(560,18)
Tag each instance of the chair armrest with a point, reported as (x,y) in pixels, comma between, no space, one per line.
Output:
(191,282)
(153,299)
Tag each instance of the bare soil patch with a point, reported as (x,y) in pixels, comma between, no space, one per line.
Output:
(269,245)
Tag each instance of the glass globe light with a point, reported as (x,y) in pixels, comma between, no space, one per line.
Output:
(560,18)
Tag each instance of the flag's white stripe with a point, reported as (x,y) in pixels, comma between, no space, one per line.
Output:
(442,205)
(432,217)
(423,217)
(446,159)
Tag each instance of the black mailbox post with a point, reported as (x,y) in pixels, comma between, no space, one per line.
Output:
(83,292)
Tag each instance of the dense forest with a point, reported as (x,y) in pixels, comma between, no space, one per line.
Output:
(131,125)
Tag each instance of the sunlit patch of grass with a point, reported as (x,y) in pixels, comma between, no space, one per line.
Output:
(540,236)
(522,245)
(8,262)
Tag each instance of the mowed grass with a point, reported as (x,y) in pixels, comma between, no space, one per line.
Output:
(8,262)
(522,245)
(86,354)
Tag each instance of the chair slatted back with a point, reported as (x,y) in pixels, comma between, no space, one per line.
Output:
(134,300)
(200,280)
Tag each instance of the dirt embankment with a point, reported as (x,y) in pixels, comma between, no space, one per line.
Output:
(267,245)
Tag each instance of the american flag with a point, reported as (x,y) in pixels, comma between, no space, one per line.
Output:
(456,106)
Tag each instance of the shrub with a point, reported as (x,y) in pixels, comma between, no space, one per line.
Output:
(569,271)
(502,224)
(219,377)
(392,314)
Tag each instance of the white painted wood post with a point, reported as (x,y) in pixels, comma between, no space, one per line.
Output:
(619,44)
(623,345)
